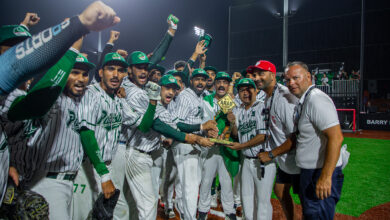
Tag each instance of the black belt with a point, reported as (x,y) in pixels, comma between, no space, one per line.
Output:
(53,175)
(251,157)
(144,152)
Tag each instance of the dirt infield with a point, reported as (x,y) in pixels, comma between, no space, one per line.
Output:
(381,212)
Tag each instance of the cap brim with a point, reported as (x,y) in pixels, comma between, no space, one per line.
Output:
(201,74)
(227,78)
(172,84)
(117,62)
(87,65)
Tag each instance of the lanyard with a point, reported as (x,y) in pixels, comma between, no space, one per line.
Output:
(267,111)
(300,108)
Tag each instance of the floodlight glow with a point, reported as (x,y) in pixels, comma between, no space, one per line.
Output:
(198,31)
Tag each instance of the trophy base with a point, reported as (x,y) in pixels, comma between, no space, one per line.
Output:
(220,141)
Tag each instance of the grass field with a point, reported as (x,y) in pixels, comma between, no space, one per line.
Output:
(366,177)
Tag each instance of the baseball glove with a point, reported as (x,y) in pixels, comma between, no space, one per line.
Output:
(23,204)
(103,209)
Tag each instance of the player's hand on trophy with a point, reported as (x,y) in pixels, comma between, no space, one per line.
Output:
(263,157)
(98,16)
(153,91)
(191,138)
(114,36)
(108,189)
(231,118)
(209,125)
(205,142)
(212,133)
(30,19)
(234,146)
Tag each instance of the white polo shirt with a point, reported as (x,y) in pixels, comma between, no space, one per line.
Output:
(318,113)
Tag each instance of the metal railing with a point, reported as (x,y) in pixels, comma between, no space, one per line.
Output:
(341,88)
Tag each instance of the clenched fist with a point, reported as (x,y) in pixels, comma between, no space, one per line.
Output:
(98,16)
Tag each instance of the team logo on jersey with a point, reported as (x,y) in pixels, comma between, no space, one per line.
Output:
(246,127)
(73,121)
(19,31)
(200,113)
(110,121)
(29,128)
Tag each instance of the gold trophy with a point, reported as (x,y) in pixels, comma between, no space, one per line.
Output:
(226,104)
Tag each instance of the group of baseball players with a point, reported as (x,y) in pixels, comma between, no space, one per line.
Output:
(126,126)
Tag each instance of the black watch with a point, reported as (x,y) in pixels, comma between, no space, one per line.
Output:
(270,155)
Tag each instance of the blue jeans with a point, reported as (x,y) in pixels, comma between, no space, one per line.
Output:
(312,207)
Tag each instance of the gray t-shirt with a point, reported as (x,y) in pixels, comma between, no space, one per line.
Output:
(318,113)
(282,125)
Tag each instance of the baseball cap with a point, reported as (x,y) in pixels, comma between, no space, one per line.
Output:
(137,57)
(246,82)
(223,75)
(114,58)
(157,67)
(83,61)
(176,73)
(200,72)
(169,80)
(13,34)
(263,65)
(210,68)
(180,63)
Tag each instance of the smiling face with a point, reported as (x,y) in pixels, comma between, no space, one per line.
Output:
(247,95)
(263,78)
(298,80)
(77,83)
(168,92)
(139,74)
(198,84)
(112,76)
(221,87)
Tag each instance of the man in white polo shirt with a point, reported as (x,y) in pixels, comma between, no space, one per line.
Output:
(319,140)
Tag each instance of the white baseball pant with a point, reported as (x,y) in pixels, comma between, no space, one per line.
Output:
(214,163)
(187,158)
(142,183)
(58,194)
(257,188)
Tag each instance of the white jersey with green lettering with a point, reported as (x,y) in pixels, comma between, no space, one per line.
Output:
(59,147)
(104,115)
(250,123)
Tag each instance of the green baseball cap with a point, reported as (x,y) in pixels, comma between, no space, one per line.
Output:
(246,82)
(176,73)
(200,72)
(115,58)
(223,75)
(137,57)
(169,80)
(82,61)
(211,68)
(13,34)
(157,67)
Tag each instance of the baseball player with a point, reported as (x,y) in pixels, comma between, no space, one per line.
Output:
(189,108)
(155,73)
(101,114)
(212,71)
(256,178)
(141,145)
(214,162)
(279,110)
(319,140)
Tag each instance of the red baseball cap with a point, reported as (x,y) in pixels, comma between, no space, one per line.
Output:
(263,65)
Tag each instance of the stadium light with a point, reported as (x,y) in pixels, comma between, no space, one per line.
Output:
(198,31)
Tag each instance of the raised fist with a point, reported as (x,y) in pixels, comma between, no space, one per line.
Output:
(30,19)
(114,36)
(98,16)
